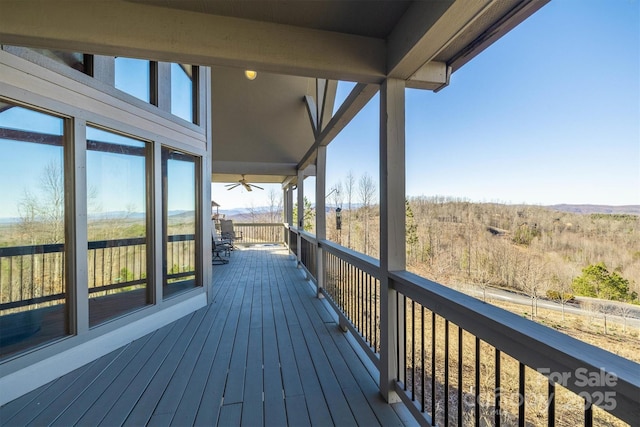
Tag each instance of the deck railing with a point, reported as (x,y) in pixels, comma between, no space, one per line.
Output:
(259,233)
(35,274)
(308,254)
(460,361)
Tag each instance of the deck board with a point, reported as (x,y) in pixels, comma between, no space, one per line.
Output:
(265,352)
(86,400)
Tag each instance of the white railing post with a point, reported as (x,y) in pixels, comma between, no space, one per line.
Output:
(392,231)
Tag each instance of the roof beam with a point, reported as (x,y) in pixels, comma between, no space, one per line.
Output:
(425,30)
(513,18)
(312,109)
(329,99)
(357,99)
(117,27)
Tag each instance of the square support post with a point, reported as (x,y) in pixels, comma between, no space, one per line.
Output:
(321,214)
(289,211)
(300,224)
(392,232)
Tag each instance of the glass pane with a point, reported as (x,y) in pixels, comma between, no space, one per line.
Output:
(182,91)
(179,194)
(117,231)
(32,229)
(133,77)
(75,60)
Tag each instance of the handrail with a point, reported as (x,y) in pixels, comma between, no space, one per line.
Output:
(364,262)
(249,233)
(308,236)
(537,346)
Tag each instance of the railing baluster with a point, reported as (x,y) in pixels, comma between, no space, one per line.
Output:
(369,315)
(521,397)
(477,389)
(422,364)
(359,301)
(1,287)
(397,334)
(446,372)
(21,275)
(404,341)
(33,282)
(588,414)
(433,368)
(413,351)
(496,412)
(460,376)
(103,266)
(551,404)
(42,281)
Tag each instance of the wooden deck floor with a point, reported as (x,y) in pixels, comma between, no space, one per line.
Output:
(266,352)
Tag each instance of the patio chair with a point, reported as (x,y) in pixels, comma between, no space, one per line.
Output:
(226,242)
(218,249)
(228,232)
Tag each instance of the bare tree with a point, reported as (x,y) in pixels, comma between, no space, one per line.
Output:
(366,191)
(275,205)
(42,213)
(532,280)
(560,289)
(605,309)
(624,310)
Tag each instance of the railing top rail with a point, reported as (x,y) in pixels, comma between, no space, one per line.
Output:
(259,224)
(31,249)
(586,367)
(47,248)
(364,262)
(308,236)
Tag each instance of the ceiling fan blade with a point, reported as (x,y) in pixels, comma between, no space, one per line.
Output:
(232,186)
(246,186)
(258,187)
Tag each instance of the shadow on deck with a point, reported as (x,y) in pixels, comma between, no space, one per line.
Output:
(265,352)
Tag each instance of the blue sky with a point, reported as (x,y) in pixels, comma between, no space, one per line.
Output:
(548,114)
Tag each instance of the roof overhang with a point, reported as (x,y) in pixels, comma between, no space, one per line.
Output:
(263,128)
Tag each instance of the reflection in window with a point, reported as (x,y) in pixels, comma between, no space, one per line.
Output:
(32,238)
(133,77)
(179,221)
(182,91)
(117,231)
(76,60)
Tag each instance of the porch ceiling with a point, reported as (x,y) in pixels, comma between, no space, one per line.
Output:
(261,127)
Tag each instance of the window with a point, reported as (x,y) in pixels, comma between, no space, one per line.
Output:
(117,224)
(33,293)
(78,61)
(182,90)
(133,77)
(179,221)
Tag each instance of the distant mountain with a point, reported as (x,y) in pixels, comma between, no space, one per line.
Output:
(600,209)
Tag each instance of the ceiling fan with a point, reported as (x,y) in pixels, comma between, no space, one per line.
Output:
(244,183)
